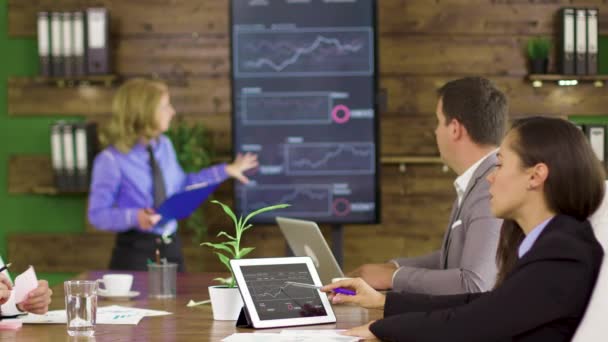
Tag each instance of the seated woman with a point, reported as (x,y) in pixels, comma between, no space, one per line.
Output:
(548,181)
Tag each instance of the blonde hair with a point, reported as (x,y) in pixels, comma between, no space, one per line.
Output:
(134,113)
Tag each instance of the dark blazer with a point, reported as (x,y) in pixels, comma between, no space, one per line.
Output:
(542,299)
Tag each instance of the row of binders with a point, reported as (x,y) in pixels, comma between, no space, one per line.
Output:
(579,41)
(597,138)
(73,147)
(74,44)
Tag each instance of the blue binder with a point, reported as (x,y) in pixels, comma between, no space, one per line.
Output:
(183,204)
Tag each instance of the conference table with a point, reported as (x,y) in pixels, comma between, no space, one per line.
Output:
(185,324)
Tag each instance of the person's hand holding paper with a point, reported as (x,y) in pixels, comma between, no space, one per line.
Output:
(32,295)
(5,289)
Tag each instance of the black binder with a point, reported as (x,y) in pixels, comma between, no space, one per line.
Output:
(98,42)
(567,43)
(44,43)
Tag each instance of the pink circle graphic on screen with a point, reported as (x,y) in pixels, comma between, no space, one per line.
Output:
(340,114)
(341,207)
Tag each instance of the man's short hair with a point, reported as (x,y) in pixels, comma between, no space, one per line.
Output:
(478,105)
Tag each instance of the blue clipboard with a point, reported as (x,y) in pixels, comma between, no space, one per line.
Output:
(182,204)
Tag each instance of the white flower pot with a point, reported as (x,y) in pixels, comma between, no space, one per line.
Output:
(226,302)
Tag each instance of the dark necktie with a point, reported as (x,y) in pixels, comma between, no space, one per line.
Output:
(158,183)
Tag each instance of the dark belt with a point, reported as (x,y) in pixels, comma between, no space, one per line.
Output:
(134,248)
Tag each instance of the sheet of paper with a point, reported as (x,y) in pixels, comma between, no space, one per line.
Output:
(51,317)
(316,332)
(24,283)
(60,317)
(10,324)
(325,334)
(118,318)
(113,314)
(303,336)
(117,309)
(253,337)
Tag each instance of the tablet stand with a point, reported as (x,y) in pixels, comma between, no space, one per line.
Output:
(244,321)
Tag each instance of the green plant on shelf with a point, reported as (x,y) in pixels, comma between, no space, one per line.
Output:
(193,148)
(538,48)
(538,54)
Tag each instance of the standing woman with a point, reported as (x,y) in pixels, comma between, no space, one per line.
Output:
(547,182)
(138,169)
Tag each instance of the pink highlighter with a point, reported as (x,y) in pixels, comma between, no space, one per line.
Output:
(339,290)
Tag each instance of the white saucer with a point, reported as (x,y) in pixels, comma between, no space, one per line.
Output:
(131,294)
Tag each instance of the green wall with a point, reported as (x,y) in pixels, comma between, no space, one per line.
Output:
(28,135)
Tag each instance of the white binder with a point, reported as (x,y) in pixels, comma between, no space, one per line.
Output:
(57,154)
(597,139)
(581,41)
(56,45)
(67,44)
(68,156)
(98,56)
(592,49)
(78,28)
(44,46)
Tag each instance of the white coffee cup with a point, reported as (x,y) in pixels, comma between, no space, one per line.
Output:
(116,284)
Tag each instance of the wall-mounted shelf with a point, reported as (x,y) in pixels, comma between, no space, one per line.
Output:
(538,80)
(92,80)
(411,160)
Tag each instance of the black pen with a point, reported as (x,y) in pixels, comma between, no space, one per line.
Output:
(3,268)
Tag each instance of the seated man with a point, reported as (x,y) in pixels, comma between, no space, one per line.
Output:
(37,301)
(471,120)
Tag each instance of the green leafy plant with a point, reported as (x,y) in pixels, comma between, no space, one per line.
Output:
(193,148)
(231,249)
(538,48)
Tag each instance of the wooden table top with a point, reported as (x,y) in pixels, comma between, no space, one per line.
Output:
(185,324)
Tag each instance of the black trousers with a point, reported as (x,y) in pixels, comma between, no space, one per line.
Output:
(133,249)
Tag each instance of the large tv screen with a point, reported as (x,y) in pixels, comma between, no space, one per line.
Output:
(304,81)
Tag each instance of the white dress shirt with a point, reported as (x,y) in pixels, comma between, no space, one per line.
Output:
(462,181)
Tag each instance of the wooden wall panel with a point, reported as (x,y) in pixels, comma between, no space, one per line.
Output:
(198,96)
(416,94)
(136,17)
(415,209)
(422,45)
(482,17)
(209,96)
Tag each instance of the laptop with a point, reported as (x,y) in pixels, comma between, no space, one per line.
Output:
(305,239)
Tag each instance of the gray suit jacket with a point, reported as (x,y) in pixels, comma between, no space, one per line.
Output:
(466,262)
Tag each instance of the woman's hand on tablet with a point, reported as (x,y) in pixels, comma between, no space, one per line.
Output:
(365,295)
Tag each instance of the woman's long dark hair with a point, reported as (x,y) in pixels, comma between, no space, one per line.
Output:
(574,185)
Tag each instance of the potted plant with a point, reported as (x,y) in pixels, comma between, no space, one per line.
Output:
(226,300)
(193,148)
(538,54)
